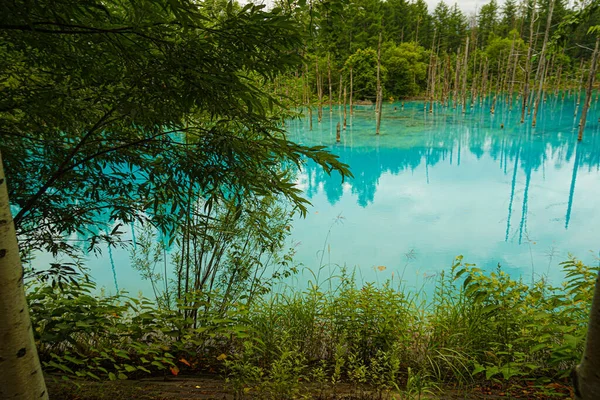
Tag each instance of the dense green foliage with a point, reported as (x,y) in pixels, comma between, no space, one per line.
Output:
(406,67)
(168,115)
(364,71)
(477,326)
(127,111)
(341,28)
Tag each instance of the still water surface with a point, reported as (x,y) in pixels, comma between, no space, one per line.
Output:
(433,186)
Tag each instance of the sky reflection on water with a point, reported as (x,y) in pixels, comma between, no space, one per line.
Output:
(432,187)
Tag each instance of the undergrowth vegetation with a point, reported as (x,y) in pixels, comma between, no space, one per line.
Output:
(477,326)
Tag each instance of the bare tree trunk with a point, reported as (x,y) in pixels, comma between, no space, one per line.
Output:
(340,91)
(456,81)
(380,95)
(500,65)
(542,64)
(310,115)
(329,79)
(351,94)
(465,73)
(345,114)
(509,70)
(446,86)
(514,77)
(588,93)
(477,73)
(433,81)
(378,98)
(319,91)
(21,376)
(582,70)
(484,80)
(431,75)
(528,63)
(586,380)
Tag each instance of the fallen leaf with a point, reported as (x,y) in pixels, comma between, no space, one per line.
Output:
(175,370)
(186,362)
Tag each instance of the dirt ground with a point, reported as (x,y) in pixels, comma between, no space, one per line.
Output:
(214,388)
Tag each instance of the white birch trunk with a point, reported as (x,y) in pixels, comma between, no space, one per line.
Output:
(21,375)
(586,376)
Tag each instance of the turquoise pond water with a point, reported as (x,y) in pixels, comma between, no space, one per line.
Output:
(433,186)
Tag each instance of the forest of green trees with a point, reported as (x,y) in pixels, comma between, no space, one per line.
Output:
(167,114)
(345,34)
(375,50)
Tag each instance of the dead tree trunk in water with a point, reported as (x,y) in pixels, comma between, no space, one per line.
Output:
(22,377)
(484,81)
(582,70)
(465,73)
(379,90)
(514,77)
(345,108)
(379,116)
(310,115)
(528,63)
(542,64)
(446,86)
(588,93)
(456,81)
(329,79)
(319,91)
(340,91)
(431,75)
(378,97)
(351,94)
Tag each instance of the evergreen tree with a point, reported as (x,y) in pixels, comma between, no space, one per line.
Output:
(509,17)
(457,29)
(441,22)
(487,23)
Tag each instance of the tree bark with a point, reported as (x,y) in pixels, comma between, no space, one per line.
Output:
(378,97)
(586,376)
(464,84)
(380,105)
(308,105)
(319,91)
(351,94)
(21,376)
(528,63)
(329,79)
(542,65)
(345,114)
(456,80)
(588,93)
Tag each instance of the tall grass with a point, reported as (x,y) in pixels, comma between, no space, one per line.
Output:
(476,326)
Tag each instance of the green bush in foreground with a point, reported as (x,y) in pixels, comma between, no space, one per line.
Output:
(476,326)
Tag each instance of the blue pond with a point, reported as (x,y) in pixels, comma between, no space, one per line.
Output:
(434,186)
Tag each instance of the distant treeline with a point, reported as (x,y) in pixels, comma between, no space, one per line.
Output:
(373,49)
